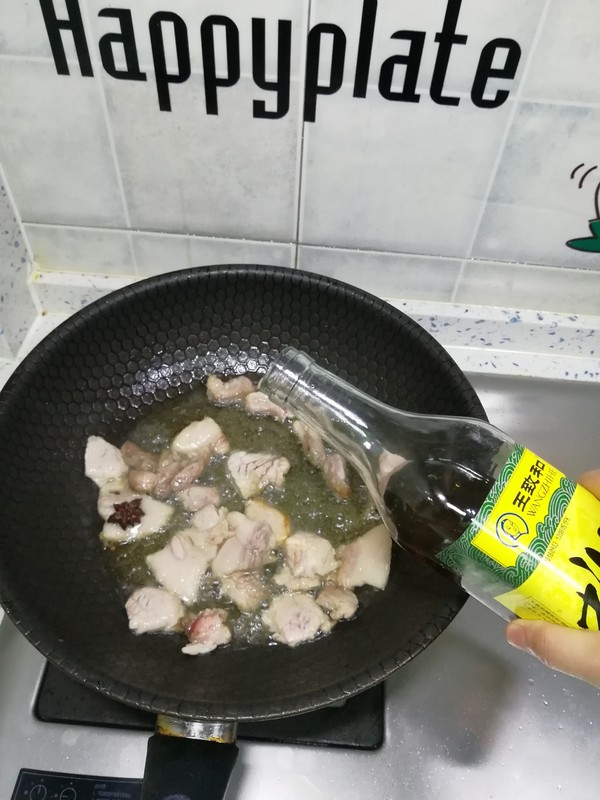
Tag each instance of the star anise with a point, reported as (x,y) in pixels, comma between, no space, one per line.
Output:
(127,513)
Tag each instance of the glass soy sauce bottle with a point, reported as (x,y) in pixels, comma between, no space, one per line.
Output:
(521,537)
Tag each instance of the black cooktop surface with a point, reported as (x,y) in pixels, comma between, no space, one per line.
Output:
(358,723)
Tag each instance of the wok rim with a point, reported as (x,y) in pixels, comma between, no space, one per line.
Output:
(305,701)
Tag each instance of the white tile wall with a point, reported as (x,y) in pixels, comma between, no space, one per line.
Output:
(22,30)
(186,172)
(158,253)
(534,207)
(100,250)
(489,283)
(565,65)
(405,177)
(391,196)
(385,274)
(55,147)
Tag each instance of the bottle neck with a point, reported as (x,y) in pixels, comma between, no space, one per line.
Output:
(345,417)
(340,412)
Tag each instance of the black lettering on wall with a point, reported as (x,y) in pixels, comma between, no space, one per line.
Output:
(163,76)
(365,47)
(313,88)
(446,38)
(281,84)
(232,39)
(485,71)
(126,39)
(398,75)
(73,23)
(412,61)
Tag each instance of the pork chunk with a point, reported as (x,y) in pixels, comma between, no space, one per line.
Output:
(338,603)
(366,560)
(103,461)
(258,404)
(295,618)
(136,458)
(248,549)
(196,497)
(155,516)
(213,523)
(207,631)
(230,392)
(200,436)
(246,589)
(151,610)
(312,444)
(181,564)
(309,555)
(335,474)
(285,578)
(259,511)
(252,472)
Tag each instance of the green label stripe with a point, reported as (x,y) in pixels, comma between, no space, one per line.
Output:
(458,554)
(455,555)
(530,559)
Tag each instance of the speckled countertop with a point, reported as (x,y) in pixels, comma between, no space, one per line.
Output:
(513,342)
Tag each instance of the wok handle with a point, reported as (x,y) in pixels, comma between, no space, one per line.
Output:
(189,769)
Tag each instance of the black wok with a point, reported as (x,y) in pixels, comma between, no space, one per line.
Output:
(97,373)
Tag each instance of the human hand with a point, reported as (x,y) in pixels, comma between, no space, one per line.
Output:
(576,652)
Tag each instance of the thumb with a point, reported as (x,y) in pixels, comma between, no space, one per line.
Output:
(576,652)
(591,481)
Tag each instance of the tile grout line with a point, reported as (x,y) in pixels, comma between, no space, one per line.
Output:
(302,135)
(111,139)
(312,245)
(502,147)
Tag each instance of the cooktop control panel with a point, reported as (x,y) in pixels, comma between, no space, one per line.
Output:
(35,785)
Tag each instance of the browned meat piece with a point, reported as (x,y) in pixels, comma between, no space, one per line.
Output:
(334,472)
(311,442)
(207,631)
(136,458)
(186,476)
(259,404)
(227,393)
(142,481)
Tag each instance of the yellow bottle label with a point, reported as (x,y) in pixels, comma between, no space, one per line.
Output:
(537,538)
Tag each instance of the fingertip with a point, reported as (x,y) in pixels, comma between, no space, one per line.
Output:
(591,481)
(516,635)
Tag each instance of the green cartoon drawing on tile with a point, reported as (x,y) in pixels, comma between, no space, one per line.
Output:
(588,244)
